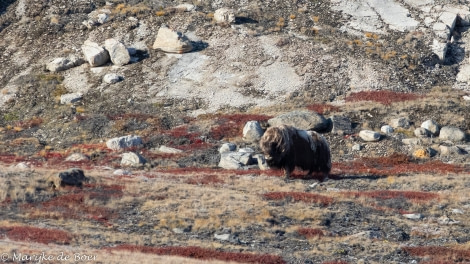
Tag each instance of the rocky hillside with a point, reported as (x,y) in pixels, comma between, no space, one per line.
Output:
(163,92)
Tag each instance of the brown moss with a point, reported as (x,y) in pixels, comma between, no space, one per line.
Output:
(299,197)
(203,253)
(387,194)
(323,108)
(439,253)
(35,234)
(310,232)
(384,97)
(230,126)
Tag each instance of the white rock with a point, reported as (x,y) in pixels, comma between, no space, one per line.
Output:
(246,150)
(102,18)
(411,141)
(235,160)
(77,157)
(261,162)
(70,98)
(356,147)
(165,149)
(252,131)
(431,126)
(112,78)
(386,129)
(186,7)
(439,48)
(444,220)
(132,159)
(422,132)
(369,135)
(62,64)
(122,172)
(464,73)
(94,53)
(401,122)
(224,15)
(172,41)
(451,133)
(223,237)
(22,166)
(227,147)
(124,142)
(450,150)
(457,211)
(117,52)
(413,216)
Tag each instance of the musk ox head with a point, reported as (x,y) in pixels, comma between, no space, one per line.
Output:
(276,144)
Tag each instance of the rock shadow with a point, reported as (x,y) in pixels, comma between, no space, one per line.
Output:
(199,45)
(245,20)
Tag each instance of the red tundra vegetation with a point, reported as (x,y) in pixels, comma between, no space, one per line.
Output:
(203,253)
(35,234)
(299,197)
(394,164)
(322,108)
(384,97)
(416,196)
(310,232)
(439,253)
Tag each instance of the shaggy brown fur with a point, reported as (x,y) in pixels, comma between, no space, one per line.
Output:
(286,147)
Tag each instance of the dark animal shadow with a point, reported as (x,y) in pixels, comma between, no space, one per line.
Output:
(199,45)
(245,20)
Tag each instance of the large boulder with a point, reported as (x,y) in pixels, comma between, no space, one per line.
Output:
(172,41)
(94,53)
(71,177)
(132,159)
(451,133)
(121,143)
(252,132)
(224,15)
(235,160)
(62,64)
(70,98)
(305,120)
(117,52)
(431,126)
(369,135)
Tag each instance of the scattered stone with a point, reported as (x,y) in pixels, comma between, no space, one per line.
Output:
(185,7)
(401,122)
(94,53)
(369,135)
(261,161)
(451,133)
(132,159)
(224,15)
(62,64)
(77,157)
(223,237)
(246,150)
(70,98)
(172,41)
(122,172)
(341,125)
(413,216)
(444,220)
(117,52)
(227,147)
(22,166)
(439,48)
(411,141)
(457,211)
(306,120)
(112,78)
(387,129)
(356,147)
(97,17)
(422,132)
(431,126)
(252,131)
(73,177)
(165,149)
(450,150)
(124,142)
(235,160)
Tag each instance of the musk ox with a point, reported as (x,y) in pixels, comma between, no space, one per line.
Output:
(286,147)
